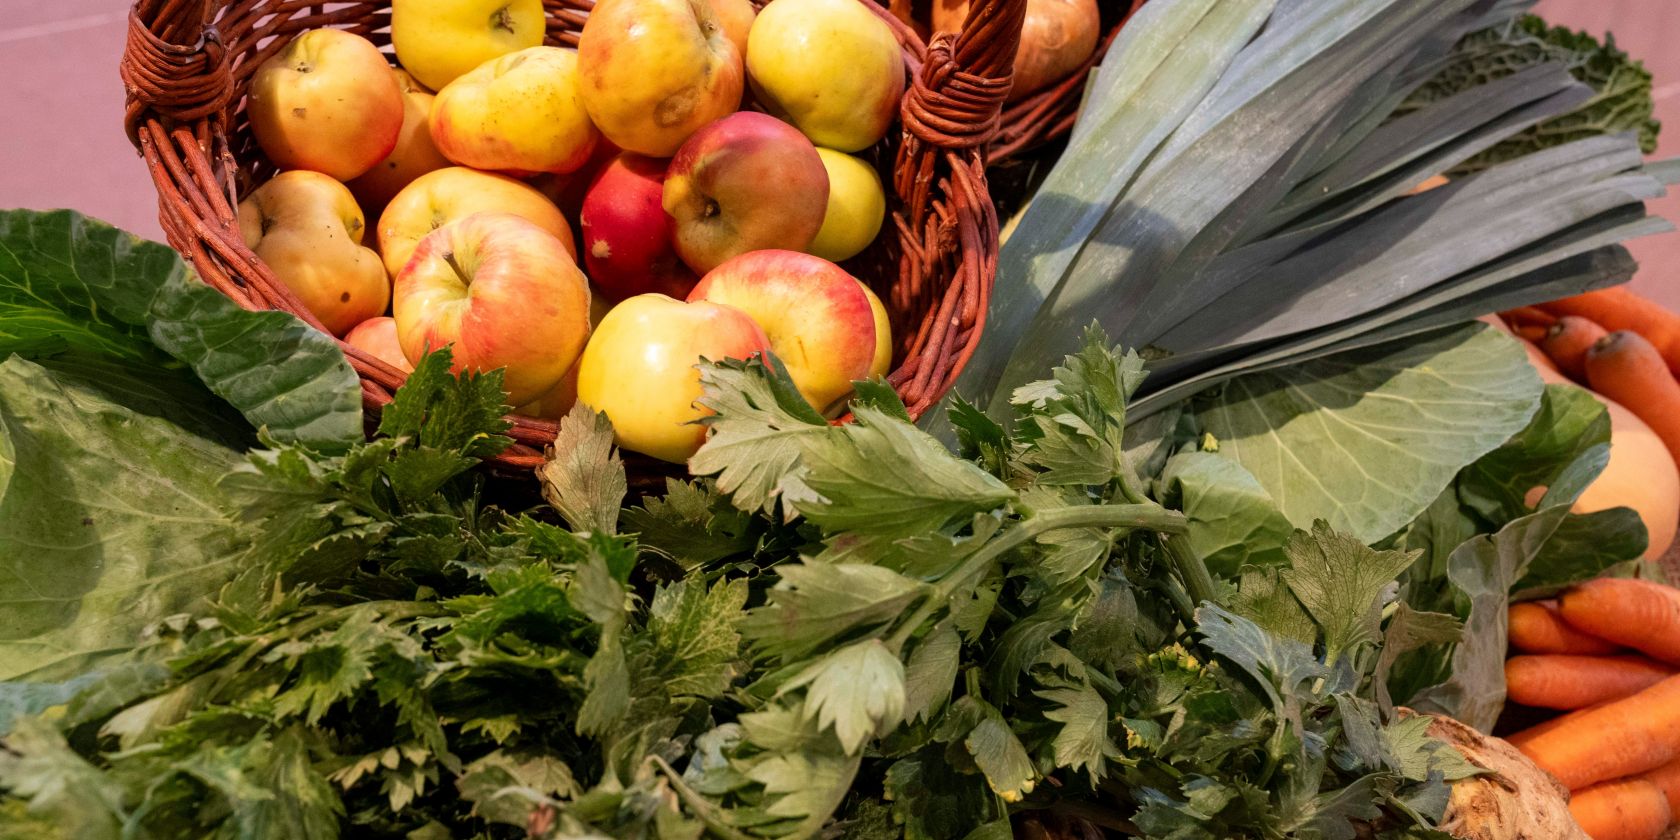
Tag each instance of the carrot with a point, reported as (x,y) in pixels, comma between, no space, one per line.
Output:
(1621,738)
(1667,779)
(1567,342)
(1626,368)
(1530,332)
(1528,316)
(1565,681)
(1631,809)
(1640,614)
(1536,627)
(1517,739)
(1619,309)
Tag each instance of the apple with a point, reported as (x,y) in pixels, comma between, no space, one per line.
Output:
(446,195)
(557,402)
(504,293)
(326,102)
(413,156)
(1057,36)
(627,246)
(377,337)
(306,227)
(882,363)
(640,369)
(440,40)
(518,114)
(856,207)
(736,18)
(820,320)
(747,182)
(655,71)
(831,67)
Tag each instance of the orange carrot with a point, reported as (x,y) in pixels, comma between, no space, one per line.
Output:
(1566,681)
(1517,739)
(1667,779)
(1619,309)
(1530,332)
(1536,627)
(1626,368)
(1568,341)
(1528,316)
(1621,738)
(1631,809)
(1640,614)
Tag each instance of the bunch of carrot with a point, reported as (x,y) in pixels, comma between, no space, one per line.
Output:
(1617,343)
(1608,653)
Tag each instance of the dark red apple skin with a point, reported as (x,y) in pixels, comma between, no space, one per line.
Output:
(627,247)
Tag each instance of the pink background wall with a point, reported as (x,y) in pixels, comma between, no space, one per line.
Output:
(62,145)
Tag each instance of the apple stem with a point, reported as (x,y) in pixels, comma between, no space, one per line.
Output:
(502,19)
(449,257)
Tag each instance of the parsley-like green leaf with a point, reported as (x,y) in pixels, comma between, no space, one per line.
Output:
(1083,743)
(999,753)
(1342,583)
(692,524)
(756,430)
(582,476)
(883,476)
(815,603)
(858,690)
(931,673)
(1279,665)
(440,410)
(1409,630)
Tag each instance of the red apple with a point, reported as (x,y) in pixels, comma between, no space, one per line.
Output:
(639,369)
(821,321)
(501,290)
(747,182)
(377,337)
(627,246)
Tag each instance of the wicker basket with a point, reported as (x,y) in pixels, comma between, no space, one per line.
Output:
(1048,115)
(187,63)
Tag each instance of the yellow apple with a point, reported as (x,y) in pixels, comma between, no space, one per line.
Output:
(882,362)
(307,228)
(326,102)
(446,195)
(518,114)
(640,369)
(820,320)
(503,293)
(438,40)
(414,154)
(856,207)
(833,68)
(377,337)
(655,71)
(736,18)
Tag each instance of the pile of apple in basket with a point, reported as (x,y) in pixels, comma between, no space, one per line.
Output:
(705,230)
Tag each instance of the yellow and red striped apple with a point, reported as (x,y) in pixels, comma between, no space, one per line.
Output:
(519,114)
(655,71)
(377,337)
(627,246)
(437,198)
(327,102)
(821,322)
(307,228)
(640,369)
(747,182)
(503,293)
(413,156)
(831,67)
(736,18)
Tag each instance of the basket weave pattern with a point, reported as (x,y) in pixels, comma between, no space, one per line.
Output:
(187,64)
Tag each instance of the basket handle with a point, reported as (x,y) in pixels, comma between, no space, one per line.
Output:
(174,64)
(954,102)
